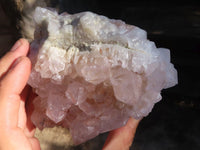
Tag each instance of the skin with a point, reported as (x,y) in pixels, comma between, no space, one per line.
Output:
(122,138)
(17,131)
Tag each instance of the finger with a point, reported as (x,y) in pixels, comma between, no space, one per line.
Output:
(20,48)
(10,88)
(121,139)
(30,128)
(21,115)
(35,144)
(22,112)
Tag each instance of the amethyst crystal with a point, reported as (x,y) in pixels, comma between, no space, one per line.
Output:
(92,73)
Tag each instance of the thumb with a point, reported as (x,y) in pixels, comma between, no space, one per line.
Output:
(11,87)
(122,138)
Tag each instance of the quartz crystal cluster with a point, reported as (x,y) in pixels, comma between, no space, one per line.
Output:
(92,73)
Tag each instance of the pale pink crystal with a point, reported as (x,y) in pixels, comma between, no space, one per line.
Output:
(92,73)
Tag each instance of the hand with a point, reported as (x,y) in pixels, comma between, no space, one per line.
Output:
(16,129)
(122,138)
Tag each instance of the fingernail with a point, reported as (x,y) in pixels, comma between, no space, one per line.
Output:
(16,45)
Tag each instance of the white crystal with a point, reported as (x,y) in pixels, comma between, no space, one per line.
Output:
(92,73)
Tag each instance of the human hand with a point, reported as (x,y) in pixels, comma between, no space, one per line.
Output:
(122,138)
(16,130)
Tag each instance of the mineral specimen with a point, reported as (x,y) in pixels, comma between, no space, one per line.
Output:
(92,73)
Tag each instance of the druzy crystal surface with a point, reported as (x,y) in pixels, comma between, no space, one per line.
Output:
(92,73)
